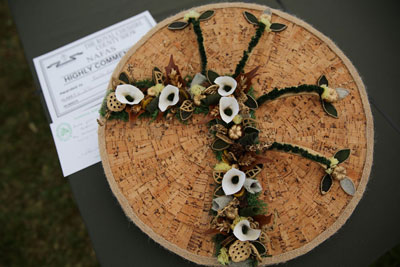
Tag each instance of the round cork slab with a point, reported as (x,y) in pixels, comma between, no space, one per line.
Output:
(161,172)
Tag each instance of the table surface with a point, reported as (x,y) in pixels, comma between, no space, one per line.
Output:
(366,31)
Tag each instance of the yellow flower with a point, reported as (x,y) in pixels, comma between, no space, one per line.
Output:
(237,119)
(222,166)
(334,162)
(265,19)
(191,14)
(197,89)
(223,256)
(155,90)
(329,94)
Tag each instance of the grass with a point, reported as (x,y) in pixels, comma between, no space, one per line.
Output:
(40,224)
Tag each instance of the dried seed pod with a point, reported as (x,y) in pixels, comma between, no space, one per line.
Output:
(113,104)
(211,90)
(224,138)
(136,108)
(247,159)
(249,122)
(187,106)
(339,173)
(253,172)
(219,128)
(218,176)
(255,252)
(235,132)
(215,111)
(239,251)
(237,149)
(197,99)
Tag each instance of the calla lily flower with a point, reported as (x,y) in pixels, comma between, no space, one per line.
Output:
(227,85)
(243,232)
(128,94)
(233,181)
(221,202)
(252,186)
(228,108)
(169,96)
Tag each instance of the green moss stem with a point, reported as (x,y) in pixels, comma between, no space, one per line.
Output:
(302,152)
(200,40)
(301,89)
(253,42)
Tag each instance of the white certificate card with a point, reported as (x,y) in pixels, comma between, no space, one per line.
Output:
(74,79)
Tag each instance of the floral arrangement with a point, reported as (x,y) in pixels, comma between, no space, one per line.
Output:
(240,218)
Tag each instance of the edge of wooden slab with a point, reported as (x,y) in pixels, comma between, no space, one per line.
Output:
(284,256)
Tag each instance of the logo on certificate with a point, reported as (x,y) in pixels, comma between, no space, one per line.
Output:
(64,131)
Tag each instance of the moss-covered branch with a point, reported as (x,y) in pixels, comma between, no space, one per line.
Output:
(301,89)
(302,152)
(200,39)
(253,42)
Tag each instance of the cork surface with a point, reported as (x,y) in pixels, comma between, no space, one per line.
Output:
(161,172)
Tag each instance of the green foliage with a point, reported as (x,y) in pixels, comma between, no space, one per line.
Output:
(217,239)
(253,42)
(300,151)
(200,39)
(147,83)
(255,206)
(178,116)
(218,155)
(154,115)
(253,262)
(251,92)
(275,93)
(201,110)
(40,222)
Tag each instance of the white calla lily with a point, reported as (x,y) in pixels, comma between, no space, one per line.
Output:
(169,96)
(128,94)
(228,108)
(233,181)
(252,186)
(227,85)
(221,202)
(243,232)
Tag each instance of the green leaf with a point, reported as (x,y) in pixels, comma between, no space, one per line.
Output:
(277,27)
(123,77)
(249,139)
(250,18)
(251,102)
(219,192)
(219,145)
(322,80)
(211,76)
(326,184)
(260,247)
(206,15)
(185,114)
(329,109)
(153,105)
(178,25)
(342,155)
(211,100)
(249,130)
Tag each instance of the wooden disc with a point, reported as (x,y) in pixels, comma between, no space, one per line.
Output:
(161,172)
